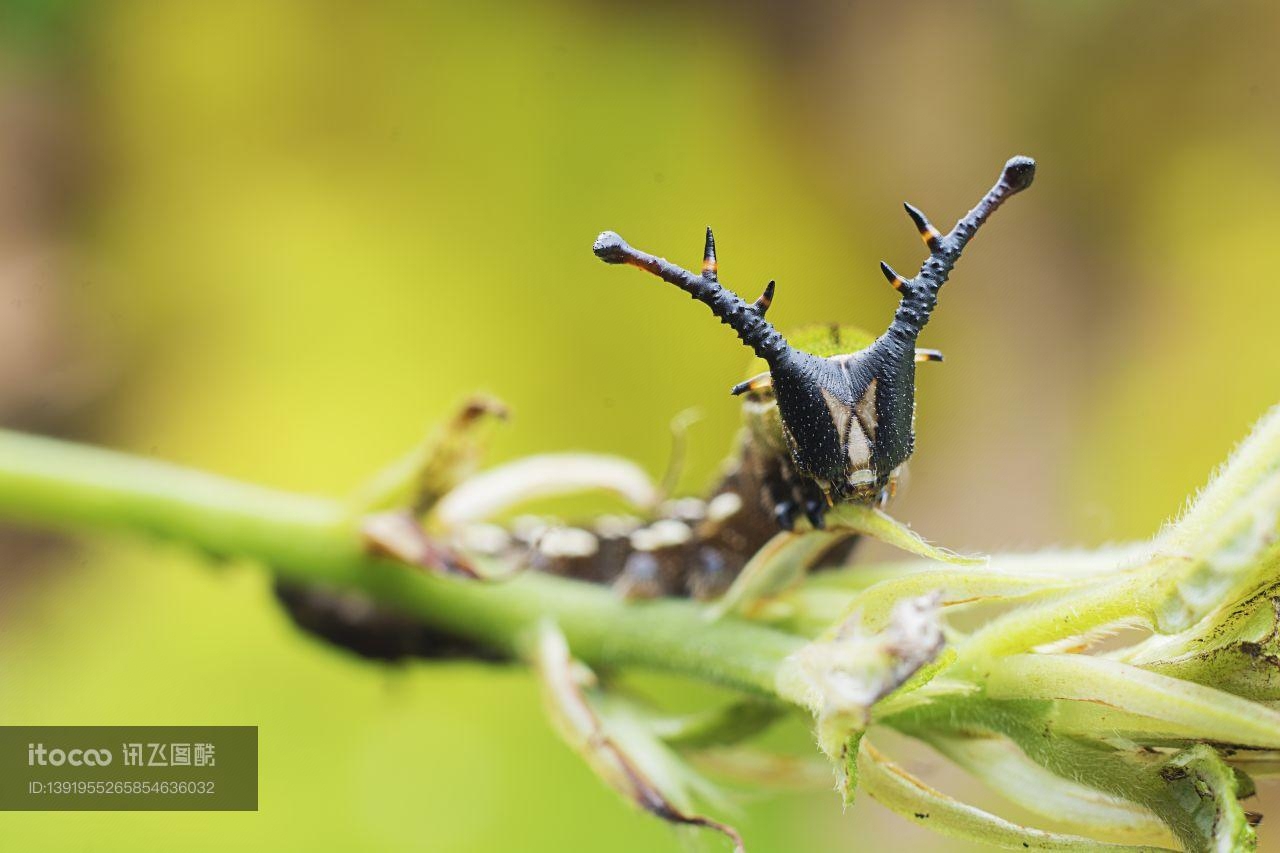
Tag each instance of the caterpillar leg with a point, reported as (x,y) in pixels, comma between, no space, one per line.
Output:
(791,494)
(813,501)
(781,499)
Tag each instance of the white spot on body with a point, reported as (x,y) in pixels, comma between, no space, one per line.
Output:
(617,526)
(661,534)
(723,506)
(568,542)
(685,509)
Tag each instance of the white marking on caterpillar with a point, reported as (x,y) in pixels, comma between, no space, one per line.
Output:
(568,542)
(617,526)
(859,451)
(661,534)
(863,477)
(866,410)
(723,506)
(684,509)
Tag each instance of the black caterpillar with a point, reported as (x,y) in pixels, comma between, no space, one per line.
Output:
(830,421)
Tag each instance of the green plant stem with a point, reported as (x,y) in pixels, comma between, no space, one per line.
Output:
(59,485)
(1107,601)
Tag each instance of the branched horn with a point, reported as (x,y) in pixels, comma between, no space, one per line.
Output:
(920,294)
(747,320)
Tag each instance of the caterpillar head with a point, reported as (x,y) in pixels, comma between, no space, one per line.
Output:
(846,416)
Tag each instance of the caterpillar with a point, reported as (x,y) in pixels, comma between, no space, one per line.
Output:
(830,420)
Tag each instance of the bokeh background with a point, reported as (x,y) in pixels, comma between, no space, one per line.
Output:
(279,240)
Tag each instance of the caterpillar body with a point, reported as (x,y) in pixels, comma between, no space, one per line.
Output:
(691,546)
(829,421)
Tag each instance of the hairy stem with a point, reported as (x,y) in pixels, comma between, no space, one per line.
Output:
(54,484)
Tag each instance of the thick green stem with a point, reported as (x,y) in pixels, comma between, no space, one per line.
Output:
(54,484)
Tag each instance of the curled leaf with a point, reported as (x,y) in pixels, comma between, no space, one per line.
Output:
(780,564)
(1193,710)
(1239,653)
(903,793)
(870,521)
(1210,791)
(624,753)
(954,587)
(1051,565)
(499,489)
(1075,612)
(1075,563)
(1008,772)
(1148,777)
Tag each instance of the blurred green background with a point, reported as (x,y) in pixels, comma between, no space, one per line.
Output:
(279,240)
